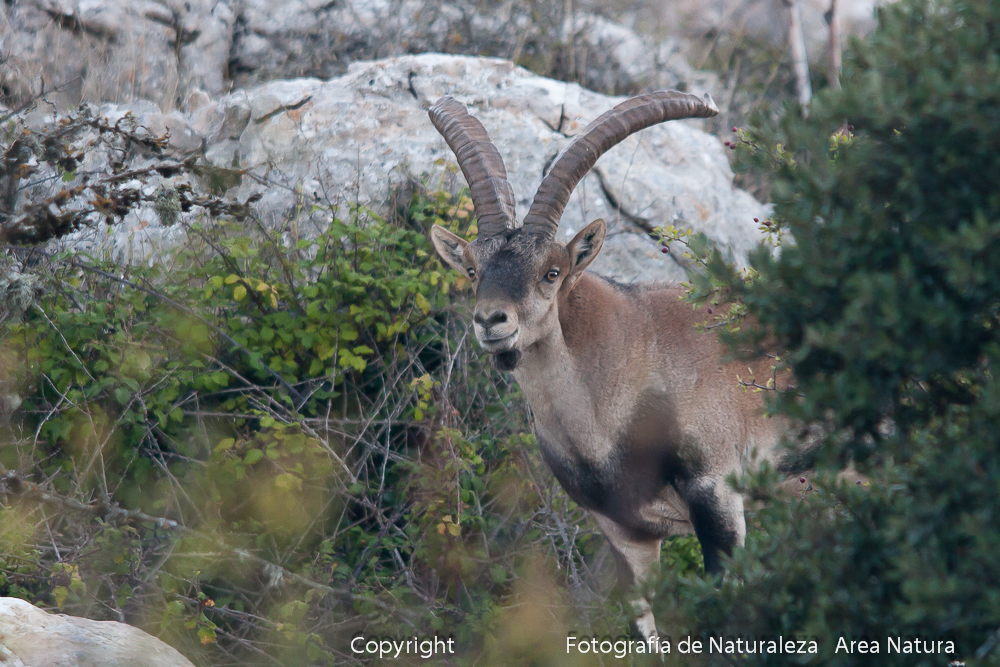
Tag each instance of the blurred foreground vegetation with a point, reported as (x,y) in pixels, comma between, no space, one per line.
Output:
(278,443)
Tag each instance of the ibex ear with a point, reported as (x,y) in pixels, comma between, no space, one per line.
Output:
(583,249)
(451,248)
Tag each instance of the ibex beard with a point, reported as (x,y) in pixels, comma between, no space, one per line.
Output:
(635,414)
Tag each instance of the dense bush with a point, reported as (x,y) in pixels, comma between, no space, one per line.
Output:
(884,300)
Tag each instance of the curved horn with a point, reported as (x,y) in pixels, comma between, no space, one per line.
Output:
(480,162)
(609,129)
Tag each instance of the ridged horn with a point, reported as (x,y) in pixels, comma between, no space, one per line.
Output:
(480,162)
(606,131)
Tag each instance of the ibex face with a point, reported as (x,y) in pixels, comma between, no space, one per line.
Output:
(519,270)
(518,277)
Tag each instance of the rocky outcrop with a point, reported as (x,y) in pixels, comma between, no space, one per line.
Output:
(115,49)
(360,137)
(163,50)
(29,637)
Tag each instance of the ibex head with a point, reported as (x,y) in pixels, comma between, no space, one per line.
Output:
(519,271)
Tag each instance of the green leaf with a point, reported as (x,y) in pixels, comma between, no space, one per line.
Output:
(199,333)
(224,444)
(60,593)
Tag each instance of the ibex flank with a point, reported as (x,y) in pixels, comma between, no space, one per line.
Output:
(634,411)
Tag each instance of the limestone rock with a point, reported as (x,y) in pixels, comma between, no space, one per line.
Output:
(363,135)
(30,637)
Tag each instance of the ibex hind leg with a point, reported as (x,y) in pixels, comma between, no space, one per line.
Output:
(716,512)
(634,560)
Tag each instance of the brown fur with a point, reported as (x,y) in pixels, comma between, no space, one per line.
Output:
(635,412)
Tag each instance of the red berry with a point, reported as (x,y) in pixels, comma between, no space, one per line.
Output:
(728,144)
(733,146)
(709,311)
(665,250)
(734,128)
(802,480)
(756,219)
(850,128)
(858,482)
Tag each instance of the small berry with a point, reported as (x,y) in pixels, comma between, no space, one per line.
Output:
(858,482)
(733,146)
(728,144)
(756,219)
(802,480)
(850,128)
(709,311)
(734,128)
(665,250)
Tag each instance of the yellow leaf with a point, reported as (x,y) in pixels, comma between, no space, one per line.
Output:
(440,528)
(262,286)
(231,278)
(423,304)
(455,529)
(239,292)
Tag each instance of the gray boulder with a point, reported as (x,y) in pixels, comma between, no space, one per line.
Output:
(30,637)
(364,135)
(115,50)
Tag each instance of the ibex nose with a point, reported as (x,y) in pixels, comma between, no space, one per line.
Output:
(495,318)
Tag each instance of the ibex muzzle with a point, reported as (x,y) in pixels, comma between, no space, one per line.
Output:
(635,414)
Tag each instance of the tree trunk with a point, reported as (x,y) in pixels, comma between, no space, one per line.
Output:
(833,19)
(800,60)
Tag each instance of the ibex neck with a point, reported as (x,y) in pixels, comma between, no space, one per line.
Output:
(591,328)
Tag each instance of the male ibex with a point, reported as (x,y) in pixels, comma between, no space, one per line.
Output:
(635,414)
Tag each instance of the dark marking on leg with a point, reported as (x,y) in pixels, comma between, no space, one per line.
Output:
(716,513)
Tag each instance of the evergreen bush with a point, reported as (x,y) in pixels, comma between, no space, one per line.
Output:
(884,302)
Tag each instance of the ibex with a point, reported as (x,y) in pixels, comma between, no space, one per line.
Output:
(634,411)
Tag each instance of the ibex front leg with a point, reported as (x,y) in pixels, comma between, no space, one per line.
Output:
(635,559)
(716,511)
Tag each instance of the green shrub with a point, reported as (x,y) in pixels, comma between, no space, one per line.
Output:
(268,446)
(884,301)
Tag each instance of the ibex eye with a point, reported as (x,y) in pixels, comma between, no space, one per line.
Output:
(552,275)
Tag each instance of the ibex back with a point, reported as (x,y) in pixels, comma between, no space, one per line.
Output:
(635,414)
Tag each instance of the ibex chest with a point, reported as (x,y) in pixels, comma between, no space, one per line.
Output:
(617,458)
